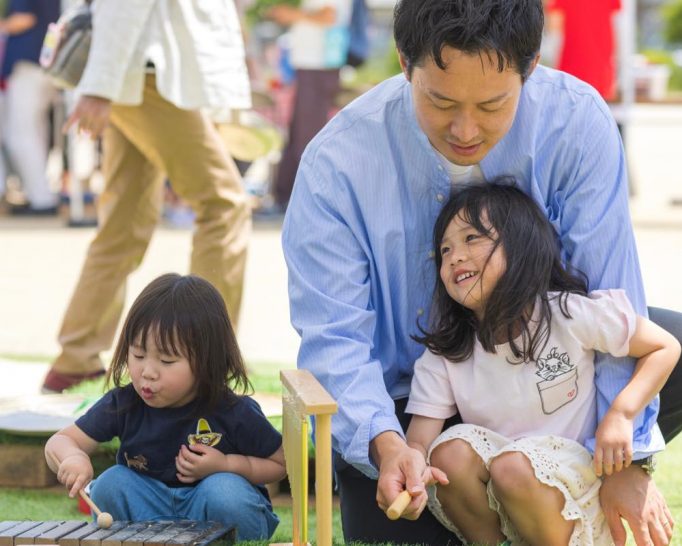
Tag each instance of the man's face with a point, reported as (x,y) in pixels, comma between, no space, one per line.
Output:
(467,108)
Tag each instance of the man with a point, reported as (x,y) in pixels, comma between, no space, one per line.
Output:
(472,102)
(152,66)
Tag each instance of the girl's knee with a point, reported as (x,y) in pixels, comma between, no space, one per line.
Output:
(234,501)
(458,460)
(512,474)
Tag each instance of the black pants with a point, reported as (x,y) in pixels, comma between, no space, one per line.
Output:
(362,519)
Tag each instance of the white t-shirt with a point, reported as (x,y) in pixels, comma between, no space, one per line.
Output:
(554,395)
(315,46)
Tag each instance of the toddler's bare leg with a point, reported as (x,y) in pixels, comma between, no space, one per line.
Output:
(533,507)
(464,499)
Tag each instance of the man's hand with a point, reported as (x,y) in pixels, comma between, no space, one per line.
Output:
(198,461)
(402,468)
(633,496)
(613,448)
(91,115)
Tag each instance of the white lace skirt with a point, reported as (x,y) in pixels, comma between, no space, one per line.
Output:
(557,462)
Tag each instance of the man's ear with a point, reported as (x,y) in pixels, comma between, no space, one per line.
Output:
(403,65)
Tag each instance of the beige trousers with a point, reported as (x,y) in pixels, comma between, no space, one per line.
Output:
(141,145)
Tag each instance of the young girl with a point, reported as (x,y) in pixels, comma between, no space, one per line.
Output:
(191,448)
(511,349)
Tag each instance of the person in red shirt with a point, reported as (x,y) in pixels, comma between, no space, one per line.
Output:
(588,50)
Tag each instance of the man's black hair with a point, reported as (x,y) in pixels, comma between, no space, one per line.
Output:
(510,30)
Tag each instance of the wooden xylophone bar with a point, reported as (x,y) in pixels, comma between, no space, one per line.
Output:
(121,533)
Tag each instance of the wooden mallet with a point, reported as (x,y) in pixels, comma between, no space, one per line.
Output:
(104,519)
(398,505)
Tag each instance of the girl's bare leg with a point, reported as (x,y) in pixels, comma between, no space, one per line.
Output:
(533,507)
(464,499)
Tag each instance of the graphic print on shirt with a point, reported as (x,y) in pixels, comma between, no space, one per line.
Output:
(204,435)
(138,462)
(559,384)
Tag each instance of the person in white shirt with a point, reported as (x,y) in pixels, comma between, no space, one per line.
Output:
(154,68)
(319,40)
(510,348)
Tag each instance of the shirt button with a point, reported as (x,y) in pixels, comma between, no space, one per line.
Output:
(420,312)
(440,167)
(432,254)
(440,197)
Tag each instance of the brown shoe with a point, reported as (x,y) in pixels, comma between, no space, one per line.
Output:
(56,382)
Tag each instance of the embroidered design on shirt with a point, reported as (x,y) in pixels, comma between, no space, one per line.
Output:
(559,384)
(204,435)
(138,462)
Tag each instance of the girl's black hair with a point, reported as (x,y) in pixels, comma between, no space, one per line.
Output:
(187,316)
(533,268)
(508,30)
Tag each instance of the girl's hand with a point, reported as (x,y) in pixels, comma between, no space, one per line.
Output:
(198,461)
(75,472)
(613,449)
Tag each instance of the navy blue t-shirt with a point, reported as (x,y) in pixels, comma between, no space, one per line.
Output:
(27,45)
(151,437)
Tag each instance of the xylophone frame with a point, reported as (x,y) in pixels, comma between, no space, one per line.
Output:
(121,533)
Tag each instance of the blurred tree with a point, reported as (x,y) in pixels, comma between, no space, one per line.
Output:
(672,15)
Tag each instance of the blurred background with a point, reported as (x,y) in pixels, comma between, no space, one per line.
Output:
(42,245)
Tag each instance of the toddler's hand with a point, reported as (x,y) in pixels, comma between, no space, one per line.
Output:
(198,461)
(613,449)
(75,472)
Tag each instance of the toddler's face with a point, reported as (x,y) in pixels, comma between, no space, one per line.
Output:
(471,265)
(162,380)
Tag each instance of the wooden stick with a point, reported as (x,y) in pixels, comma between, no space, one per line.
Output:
(89,502)
(399,504)
(104,519)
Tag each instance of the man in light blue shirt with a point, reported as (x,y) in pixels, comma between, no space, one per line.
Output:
(357,238)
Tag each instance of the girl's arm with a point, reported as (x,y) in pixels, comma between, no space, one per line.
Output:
(68,455)
(195,462)
(422,432)
(657,352)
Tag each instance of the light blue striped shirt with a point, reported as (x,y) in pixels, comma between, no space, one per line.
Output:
(357,239)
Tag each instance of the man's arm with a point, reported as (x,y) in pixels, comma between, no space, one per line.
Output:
(116,32)
(597,238)
(329,293)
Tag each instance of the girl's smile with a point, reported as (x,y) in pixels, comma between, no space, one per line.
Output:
(472,263)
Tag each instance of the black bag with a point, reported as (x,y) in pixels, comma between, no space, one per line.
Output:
(67,45)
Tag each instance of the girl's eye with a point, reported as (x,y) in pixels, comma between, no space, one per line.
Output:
(167,361)
(139,357)
(472,237)
(444,250)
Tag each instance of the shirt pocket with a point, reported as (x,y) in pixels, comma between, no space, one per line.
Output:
(558,392)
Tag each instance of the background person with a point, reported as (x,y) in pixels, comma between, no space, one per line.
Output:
(319,40)
(148,90)
(28,96)
(471,103)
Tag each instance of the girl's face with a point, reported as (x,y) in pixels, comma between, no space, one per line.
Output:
(470,267)
(162,380)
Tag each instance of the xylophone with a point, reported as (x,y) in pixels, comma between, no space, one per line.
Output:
(121,533)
